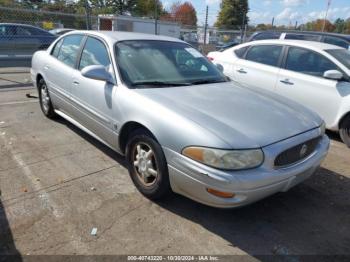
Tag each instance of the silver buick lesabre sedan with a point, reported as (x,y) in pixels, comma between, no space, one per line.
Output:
(181,124)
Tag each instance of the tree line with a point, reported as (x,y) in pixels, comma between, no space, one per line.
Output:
(338,26)
(181,12)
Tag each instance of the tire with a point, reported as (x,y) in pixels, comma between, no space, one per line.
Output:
(344,130)
(147,165)
(45,100)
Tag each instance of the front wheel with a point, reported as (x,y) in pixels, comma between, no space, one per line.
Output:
(344,130)
(45,100)
(147,165)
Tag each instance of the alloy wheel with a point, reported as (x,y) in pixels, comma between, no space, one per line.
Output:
(45,98)
(145,164)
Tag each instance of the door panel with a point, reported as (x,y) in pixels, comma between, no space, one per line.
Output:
(316,93)
(59,82)
(255,74)
(59,69)
(93,98)
(260,66)
(302,80)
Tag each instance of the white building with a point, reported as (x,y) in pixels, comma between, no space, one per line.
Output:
(137,24)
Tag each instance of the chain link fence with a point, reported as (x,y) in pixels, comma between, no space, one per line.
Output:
(47,20)
(24,31)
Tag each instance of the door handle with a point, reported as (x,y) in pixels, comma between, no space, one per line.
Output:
(287,82)
(76,83)
(46,67)
(242,71)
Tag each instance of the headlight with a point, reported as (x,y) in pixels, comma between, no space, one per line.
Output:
(323,128)
(226,159)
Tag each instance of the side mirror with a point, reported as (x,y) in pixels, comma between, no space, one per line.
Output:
(98,72)
(333,74)
(220,67)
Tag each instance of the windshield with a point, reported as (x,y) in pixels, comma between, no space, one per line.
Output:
(162,63)
(342,55)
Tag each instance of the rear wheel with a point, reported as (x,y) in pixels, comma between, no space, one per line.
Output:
(45,100)
(344,130)
(147,165)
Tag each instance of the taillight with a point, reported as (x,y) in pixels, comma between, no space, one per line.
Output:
(210,58)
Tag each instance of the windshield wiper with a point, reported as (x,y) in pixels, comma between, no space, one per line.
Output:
(159,83)
(202,82)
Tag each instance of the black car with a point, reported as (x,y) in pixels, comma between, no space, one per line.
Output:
(222,48)
(330,38)
(19,42)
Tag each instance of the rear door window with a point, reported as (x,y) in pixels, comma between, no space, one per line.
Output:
(69,49)
(22,31)
(264,54)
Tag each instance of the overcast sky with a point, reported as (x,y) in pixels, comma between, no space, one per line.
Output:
(284,11)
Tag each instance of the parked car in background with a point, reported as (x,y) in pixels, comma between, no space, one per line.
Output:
(60,31)
(180,123)
(314,74)
(19,42)
(341,40)
(223,47)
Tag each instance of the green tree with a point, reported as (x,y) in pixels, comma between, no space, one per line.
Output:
(339,25)
(147,8)
(121,6)
(232,14)
(317,25)
(347,26)
(32,4)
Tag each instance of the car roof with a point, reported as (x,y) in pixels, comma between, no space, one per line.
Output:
(117,36)
(16,24)
(346,37)
(300,43)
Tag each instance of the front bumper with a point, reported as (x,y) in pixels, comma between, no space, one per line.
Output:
(191,179)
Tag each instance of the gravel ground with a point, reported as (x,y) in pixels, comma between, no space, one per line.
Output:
(57,184)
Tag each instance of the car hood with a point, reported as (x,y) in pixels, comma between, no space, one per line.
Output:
(242,117)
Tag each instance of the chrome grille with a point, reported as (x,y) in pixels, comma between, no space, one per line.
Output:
(297,153)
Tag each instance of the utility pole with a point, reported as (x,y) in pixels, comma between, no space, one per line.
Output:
(243,24)
(206,26)
(155,17)
(87,13)
(325,17)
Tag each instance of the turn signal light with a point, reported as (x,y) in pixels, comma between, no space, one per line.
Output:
(220,193)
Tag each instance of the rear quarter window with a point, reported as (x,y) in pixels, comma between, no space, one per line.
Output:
(56,49)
